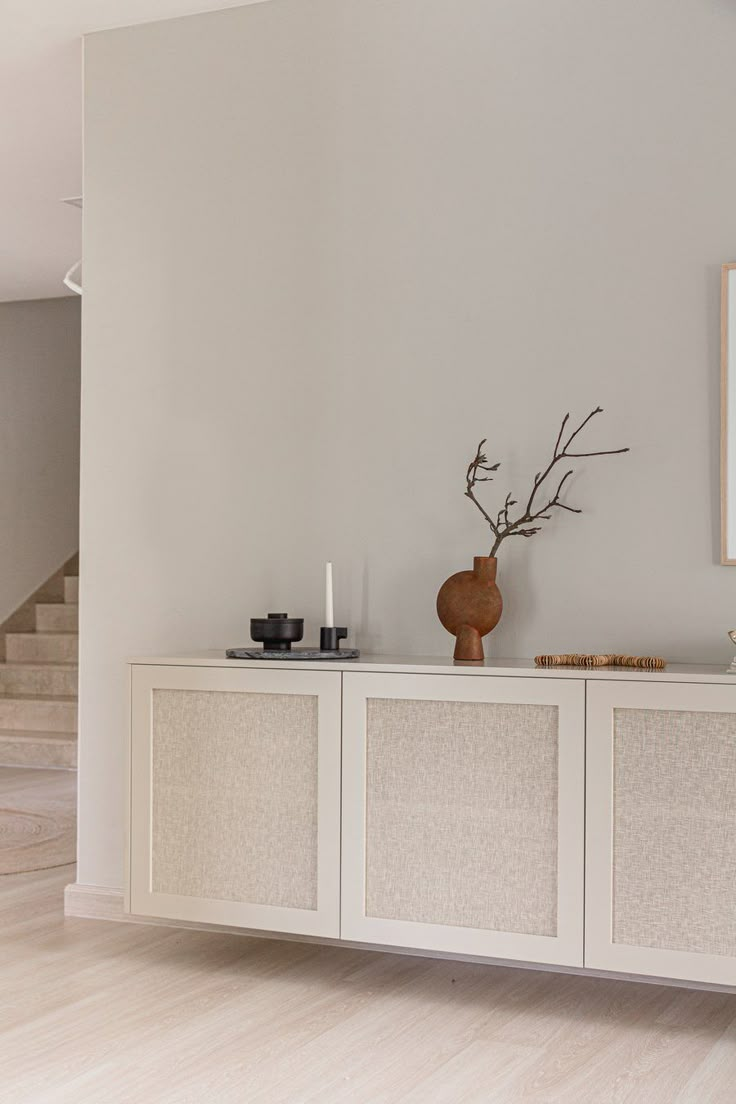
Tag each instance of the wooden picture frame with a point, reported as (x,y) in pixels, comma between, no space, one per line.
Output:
(728,412)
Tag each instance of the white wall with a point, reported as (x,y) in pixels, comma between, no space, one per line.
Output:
(329,245)
(39,443)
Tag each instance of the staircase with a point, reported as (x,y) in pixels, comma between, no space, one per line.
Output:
(38,678)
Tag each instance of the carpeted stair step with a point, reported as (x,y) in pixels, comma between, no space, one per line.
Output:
(37,647)
(57,617)
(38,713)
(37,749)
(39,678)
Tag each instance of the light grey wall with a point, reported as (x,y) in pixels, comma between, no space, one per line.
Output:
(39,443)
(329,245)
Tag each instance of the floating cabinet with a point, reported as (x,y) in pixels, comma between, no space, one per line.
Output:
(661,830)
(235,797)
(579,819)
(463,815)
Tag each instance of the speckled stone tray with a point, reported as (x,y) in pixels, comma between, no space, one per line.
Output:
(295,653)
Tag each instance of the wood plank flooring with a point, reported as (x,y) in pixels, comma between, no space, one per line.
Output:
(37,819)
(108,1013)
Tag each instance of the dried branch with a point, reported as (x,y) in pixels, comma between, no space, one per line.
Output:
(503,525)
(480,463)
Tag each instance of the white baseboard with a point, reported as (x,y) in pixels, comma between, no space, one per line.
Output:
(90,902)
(94,902)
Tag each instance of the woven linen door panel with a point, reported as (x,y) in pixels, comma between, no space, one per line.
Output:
(462,795)
(235,796)
(456,829)
(235,774)
(666,756)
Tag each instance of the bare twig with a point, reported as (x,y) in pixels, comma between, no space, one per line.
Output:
(523,526)
(480,463)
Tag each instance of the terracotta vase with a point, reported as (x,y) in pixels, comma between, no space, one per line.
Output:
(469,605)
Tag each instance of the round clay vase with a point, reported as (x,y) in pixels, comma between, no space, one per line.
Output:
(469,605)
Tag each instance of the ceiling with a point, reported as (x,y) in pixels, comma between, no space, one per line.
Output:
(41,129)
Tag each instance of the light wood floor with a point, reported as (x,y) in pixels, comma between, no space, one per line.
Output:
(37,818)
(124,1014)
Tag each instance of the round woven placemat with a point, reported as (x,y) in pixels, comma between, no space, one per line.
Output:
(642,663)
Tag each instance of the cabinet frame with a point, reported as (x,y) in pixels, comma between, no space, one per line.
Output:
(566,948)
(601,953)
(141,898)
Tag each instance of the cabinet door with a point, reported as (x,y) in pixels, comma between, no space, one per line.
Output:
(661,830)
(235,797)
(463,814)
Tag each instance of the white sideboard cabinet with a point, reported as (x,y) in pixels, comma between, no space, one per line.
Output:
(584,820)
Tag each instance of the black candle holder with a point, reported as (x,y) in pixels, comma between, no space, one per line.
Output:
(330,637)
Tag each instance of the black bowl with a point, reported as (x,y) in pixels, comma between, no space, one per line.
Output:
(277,632)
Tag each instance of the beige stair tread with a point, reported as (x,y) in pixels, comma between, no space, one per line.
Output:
(55,678)
(24,735)
(39,636)
(51,750)
(42,634)
(42,664)
(15,696)
(30,647)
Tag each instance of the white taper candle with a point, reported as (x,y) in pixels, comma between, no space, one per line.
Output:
(329,606)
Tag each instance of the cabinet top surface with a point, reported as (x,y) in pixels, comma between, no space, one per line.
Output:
(441,665)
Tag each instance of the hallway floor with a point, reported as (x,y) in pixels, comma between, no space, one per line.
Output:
(38,819)
(105,1013)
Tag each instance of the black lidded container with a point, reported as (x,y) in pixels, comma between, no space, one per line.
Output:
(277,632)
